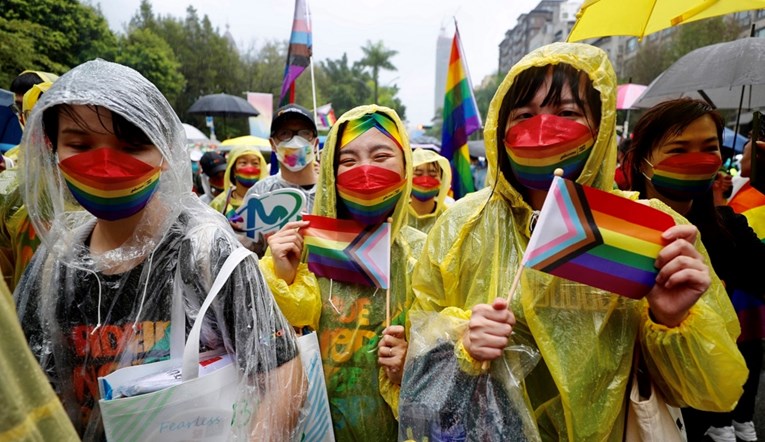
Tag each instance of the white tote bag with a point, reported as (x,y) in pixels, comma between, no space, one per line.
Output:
(199,408)
(318,422)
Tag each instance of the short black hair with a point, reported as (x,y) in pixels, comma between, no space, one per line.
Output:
(24,82)
(121,127)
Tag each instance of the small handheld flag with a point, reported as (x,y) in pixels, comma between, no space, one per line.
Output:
(344,250)
(597,238)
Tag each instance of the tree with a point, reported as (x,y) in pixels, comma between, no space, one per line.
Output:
(17,50)
(149,54)
(345,86)
(72,32)
(376,57)
(388,98)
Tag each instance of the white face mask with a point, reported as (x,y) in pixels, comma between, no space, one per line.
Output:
(295,154)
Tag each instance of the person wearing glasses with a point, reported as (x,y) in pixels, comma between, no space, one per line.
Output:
(294,140)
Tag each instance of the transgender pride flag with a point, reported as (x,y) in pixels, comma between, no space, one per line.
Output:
(299,52)
(597,238)
(461,119)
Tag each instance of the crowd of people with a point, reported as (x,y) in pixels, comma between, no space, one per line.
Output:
(105,246)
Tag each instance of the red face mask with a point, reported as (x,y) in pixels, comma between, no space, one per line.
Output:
(539,145)
(425,187)
(370,193)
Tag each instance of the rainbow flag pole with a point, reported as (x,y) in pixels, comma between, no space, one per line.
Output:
(461,119)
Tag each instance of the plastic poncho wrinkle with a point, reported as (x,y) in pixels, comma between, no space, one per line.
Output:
(361,399)
(585,336)
(180,246)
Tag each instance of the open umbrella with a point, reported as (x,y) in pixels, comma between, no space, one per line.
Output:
(601,18)
(223,105)
(726,75)
(194,134)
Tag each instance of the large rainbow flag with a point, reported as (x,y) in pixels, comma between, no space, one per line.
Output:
(344,250)
(299,52)
(597,238)
(461,119)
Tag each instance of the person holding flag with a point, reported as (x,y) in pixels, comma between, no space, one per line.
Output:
(366,178)
(430,187)
(563,96)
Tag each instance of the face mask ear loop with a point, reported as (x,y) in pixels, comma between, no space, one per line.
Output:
(143,296)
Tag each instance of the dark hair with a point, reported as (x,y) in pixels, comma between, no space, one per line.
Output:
(665,120)
(525,87)
(24,82)
(121,127)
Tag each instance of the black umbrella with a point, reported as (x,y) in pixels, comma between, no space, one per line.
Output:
(223,105)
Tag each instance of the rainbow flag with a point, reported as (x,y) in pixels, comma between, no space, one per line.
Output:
(597,238)
(326,116)
(461,119)
(344,250)
(299,52)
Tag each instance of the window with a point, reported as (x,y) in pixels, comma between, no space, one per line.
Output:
(760,32)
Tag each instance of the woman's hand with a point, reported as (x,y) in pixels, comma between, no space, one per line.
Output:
(391,353)
(286,247)
(683,277)
(489,330)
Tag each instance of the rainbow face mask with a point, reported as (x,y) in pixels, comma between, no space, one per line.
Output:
(685,176)
(539,145)
(247,176)
(108,183)
(370,193)
(425,187)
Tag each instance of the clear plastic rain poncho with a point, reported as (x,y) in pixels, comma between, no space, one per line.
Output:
(362,400)
(585,336)
(420,156)
(86,315)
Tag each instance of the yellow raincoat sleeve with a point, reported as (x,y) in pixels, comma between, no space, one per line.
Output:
(31,410)
(697,363)
(300,302)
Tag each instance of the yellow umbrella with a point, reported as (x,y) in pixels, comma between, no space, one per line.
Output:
(601,18)
(247,140)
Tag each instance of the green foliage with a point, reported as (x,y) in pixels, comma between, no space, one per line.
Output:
(17,50)
(376,57)
(72,32)
(148,53)
(346,86)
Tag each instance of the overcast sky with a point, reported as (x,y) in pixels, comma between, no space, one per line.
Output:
(409,26)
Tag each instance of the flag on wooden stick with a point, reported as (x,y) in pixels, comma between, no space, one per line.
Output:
(597,238)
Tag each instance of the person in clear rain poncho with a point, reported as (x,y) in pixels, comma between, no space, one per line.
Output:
(98,293)
(367,152)
(430,187)
(685,327)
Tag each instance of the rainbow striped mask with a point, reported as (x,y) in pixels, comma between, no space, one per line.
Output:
(539,145)
(425,187)
(108,183)
(370,193)
(247,176)
(685,176)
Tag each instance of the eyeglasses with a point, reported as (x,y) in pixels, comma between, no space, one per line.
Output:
(287,134)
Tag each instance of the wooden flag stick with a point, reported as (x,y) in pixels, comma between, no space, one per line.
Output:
(387,291)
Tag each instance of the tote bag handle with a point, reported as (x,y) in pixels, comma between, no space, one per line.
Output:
(191,350)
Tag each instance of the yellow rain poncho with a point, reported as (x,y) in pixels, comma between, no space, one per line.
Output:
(31,410)
(233,202)
(424,223)
(585,335)
(362,400)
